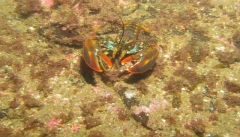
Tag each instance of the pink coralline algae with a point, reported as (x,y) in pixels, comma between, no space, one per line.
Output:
(141,109)
(102,92)
(75,127)
(114,108)
(71,56)
(48,3)
(95,89)
(78,8)
(123,2)
(155,105)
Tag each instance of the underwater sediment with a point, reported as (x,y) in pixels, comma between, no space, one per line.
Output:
(192,90)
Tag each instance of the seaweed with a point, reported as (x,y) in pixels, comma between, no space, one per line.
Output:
(6,132)
(12,81)
(6,60)
(45,132)
(4,86)
(88,109)
(211,80)
(122,115)
(16,81)
(236,39)
(176,101)
(91,122)
(46,69)
(192,77)
(142,87)
(43,87)
(103,100)
(3,113)
(173,86)
(171,120)
(26,8)
(228,58)
(96,133)
(179,134)
(220,106)
(37,50)
(63,34)
(196,102)
(232,87)
(199,35)
(197,126)
(198,52)
(15,102)
(67,29)
(213,117)
(181,55)
(32,123)
(31,102)
(65,117)
(196,49)
(231,100)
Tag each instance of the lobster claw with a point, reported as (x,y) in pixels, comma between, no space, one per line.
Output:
(94,57)
(145,60)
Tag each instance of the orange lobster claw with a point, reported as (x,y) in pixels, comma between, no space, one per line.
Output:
(94,57)
(146,60)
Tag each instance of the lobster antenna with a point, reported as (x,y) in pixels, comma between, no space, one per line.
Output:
(123,28)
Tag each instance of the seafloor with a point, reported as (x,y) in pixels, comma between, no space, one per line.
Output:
(47,90)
